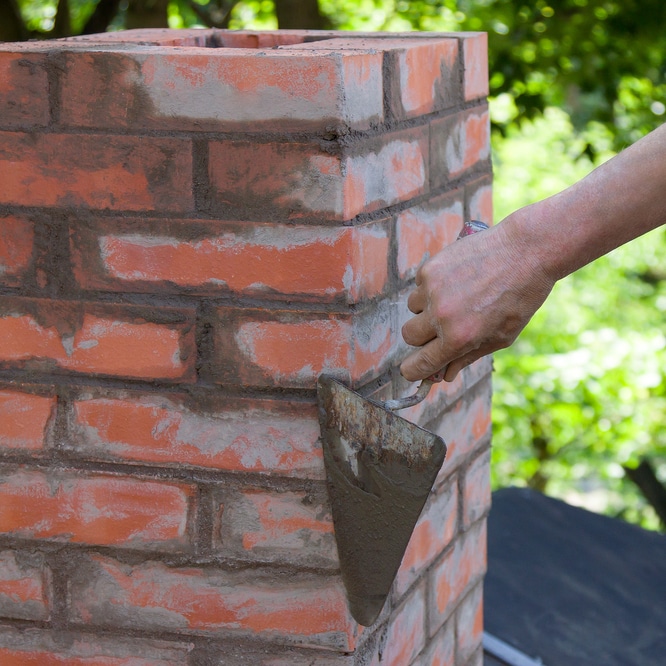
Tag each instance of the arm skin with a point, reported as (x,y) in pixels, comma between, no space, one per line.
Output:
(475,297)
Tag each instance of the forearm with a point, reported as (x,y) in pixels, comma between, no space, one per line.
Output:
(620,200)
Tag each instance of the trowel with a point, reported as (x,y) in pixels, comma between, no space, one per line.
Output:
(380,469)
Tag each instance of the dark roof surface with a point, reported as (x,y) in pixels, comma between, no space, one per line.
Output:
(572,587)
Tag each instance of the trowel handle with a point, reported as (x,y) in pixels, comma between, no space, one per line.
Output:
(469,228)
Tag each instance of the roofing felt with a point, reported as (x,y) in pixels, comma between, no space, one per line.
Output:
(572,587)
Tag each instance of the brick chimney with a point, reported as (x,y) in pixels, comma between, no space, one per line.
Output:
(193,226)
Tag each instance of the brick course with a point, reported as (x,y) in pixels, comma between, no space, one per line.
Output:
(196,224)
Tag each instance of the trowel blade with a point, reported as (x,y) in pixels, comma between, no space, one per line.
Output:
(380,470)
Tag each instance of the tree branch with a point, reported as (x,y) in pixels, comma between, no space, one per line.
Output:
(651,488)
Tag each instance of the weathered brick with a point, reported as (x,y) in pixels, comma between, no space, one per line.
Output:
(476,490)
(392,170)
(479,200)
(116,341)
(16,243)
(291,349)
(244,435)
(469,624)
(406,634)
(221,88)
(96,509)
(441,650)
(441,397)
(301,180)
(424,230)
(294,527)
(422,74)
(302,609)
(434,531)
(477,659)
(29,646)
(24,90)
(96,171)
(260,259)
(475,58)
(24,587)
(148,37)
(458,571)
(465,427)
(24,419)
(457,143)
(233,654)
(478,371)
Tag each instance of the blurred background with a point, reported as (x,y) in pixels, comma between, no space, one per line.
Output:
(580,399)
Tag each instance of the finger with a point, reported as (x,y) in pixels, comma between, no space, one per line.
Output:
(424,362)
(418,331)
(460,363)
(416,301)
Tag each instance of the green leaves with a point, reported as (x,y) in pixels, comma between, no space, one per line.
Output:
(583,390)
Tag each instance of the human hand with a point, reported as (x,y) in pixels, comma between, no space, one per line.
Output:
(471,299)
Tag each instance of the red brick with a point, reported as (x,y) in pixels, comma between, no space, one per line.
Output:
(479,370)
(245,435)
(98,509)
(441,650)
(148,37)
(24,90)
(304,609)
(35,647)
(56,335)
(96,171)
(441,398)
(424,230)
(241,655)
(469,624)
(458,571)
(476,490)
(255,260)
(406,634)
(433,532)
(221,89)
(24,588)
(479,200)
(294,527)
(423,73)
(24,419)
(291,349)
(475,58)
(458,143)
(16,241)
(393,170)
(477,658)
(465,428)
(301,180)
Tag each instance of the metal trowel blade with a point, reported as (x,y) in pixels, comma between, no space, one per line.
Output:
(380,470)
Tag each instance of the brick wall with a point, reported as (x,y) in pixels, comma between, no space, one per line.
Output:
(194,225)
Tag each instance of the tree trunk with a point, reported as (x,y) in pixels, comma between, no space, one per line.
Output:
(12,28)
(650,486)
(146,14)
(100,19)
(63,25)
(299,14)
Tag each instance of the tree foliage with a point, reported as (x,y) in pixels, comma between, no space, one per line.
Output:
(582,393)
